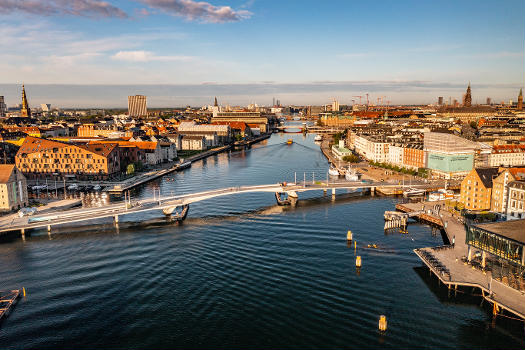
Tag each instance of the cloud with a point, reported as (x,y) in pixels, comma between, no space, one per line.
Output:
(199,10)
(84,8)
(146,56)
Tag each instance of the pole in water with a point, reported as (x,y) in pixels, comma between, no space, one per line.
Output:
(24,291)
(382,323)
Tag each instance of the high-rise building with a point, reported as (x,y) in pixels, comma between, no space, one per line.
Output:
(335,106)
(25,111)
(520,101)
(46,107)
(137,106)
(2,106)
(467,100)
(440,100)
(489,101)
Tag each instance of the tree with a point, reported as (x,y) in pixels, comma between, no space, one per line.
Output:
(351,158)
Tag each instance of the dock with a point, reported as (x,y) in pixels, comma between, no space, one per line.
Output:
(7,302)
(450,265)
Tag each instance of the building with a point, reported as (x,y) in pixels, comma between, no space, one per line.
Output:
(500,188)
(505,240)
(251,118)
(467,99)
(340,151)
(520,101)
(40,158)
(516,201)
(448,156)
(137,106)
(440,100)
(216,133)
(193,143)
(13,188)
(414,156)
(25,111)
(372,147)
(476,188)
(46,107)
(3,107)
(507,155)
(395,154)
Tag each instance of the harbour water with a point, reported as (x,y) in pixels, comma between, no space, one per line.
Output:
(240,272)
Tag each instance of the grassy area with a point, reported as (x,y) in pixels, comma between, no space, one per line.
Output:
(186,154)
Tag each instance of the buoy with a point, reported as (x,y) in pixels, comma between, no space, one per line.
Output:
(24,291)
(349,235)
(355,244)
(382,323)
(358,261)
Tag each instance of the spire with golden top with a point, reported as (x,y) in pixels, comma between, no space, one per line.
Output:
(25,111)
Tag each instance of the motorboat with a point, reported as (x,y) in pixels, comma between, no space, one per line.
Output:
(440,195)
(97,188)
(72,187)
(318,138)
(289,142)
(333,171)
(413,192)
(352,175)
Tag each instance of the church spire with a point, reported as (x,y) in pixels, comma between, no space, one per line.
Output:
(215,103)
(25,111)
(467,100)
(520,100)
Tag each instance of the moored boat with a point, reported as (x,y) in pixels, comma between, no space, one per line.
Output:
(413,192)
(318,138)
(333,171)
(289,142)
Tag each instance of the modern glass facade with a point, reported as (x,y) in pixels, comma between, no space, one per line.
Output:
(450,163)
(496,245)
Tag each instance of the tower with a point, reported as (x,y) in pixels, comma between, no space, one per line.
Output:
(25,111)
(520,100)
(137,106)
(215,104)
(467,100)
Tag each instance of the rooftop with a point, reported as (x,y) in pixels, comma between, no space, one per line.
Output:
(513,229)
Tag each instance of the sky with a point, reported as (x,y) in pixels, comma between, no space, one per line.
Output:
(89,53)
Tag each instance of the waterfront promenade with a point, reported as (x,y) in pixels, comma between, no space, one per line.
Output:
(448,263)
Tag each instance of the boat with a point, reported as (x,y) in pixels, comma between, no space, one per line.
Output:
(318,138)
(440,195)
(97,188)
(333,171)
(289,142)
(72,187)
(352,175)
(413,192)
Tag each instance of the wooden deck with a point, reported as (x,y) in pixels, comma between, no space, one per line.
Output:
(448,264)
(7,301)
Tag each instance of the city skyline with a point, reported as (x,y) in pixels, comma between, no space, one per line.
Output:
(302,51)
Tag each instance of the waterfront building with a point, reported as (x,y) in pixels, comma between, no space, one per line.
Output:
(500,187)
(137,106)
(340,151)
(503,240)
(216,133)
(507,155)
(255,119)
(25,111)
(516,201)
(373,148)
(476,188)
(449,156)
(13,188)
(45,158)
(193,143)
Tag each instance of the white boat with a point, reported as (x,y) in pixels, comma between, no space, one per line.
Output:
(72,187)
(318,138)
(351,174)
(440,195)
(333,171)
(412,192)
(97,188)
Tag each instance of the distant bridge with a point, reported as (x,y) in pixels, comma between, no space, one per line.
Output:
(178,206)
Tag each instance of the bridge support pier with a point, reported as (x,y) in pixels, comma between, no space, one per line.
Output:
(333,191)
(116,219)
(372,191)
(48,228)
(23,233)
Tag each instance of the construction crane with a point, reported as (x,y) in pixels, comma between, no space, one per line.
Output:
(360,97)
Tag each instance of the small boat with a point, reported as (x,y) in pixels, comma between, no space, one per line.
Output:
(318,138)
(440,195)
(333,171)
(412,192)
(289,142)
(72,187)
(97,188)
(352,175)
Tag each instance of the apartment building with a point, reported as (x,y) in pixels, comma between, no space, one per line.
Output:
(476,188)
(507,155)
(500,187)
(13,188)
(516,200)
(414,156)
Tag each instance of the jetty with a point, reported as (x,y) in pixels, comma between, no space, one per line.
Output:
(7,301)
(476,257)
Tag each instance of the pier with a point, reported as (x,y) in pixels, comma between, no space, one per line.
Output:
(7,302)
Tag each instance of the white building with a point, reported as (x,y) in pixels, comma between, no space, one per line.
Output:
(372,149)
(507,155)
(395,155)
(341,151)
(516,200)
(193,143)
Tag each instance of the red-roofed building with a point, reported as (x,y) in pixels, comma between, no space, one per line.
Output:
(507,155)
(13,188)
